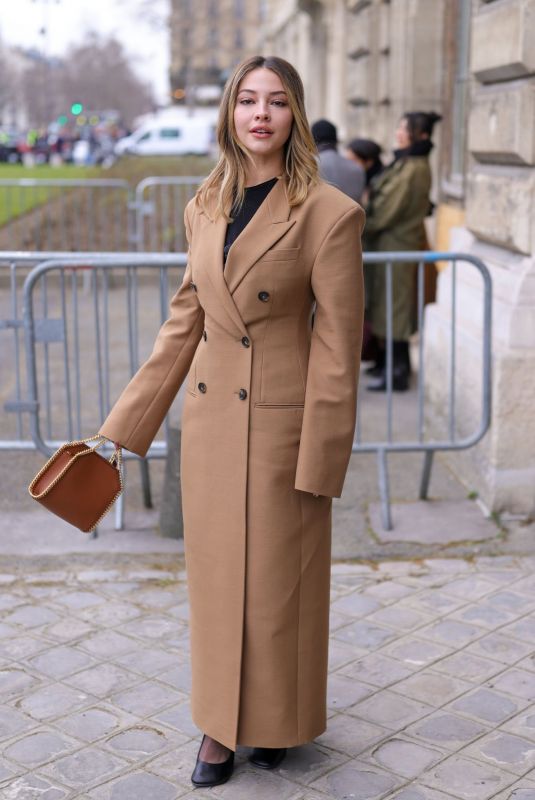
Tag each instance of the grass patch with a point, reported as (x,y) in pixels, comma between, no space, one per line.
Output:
(134,168)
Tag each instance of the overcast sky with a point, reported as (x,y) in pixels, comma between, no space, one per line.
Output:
(68,21)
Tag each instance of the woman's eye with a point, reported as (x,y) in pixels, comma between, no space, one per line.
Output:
(246,101)
(280,103)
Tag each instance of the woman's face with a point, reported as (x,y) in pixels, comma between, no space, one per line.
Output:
(403,138)
(262,116)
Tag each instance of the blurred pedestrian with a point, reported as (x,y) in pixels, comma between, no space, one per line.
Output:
(398,204)
(346,175)
(367,154)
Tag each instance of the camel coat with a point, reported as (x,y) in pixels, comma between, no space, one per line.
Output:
(268,421)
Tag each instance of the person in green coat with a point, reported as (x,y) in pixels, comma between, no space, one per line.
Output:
(398,203)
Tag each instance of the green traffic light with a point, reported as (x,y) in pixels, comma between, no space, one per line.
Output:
(62,120)
(77,108)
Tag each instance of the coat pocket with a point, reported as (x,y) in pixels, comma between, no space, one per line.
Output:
(279,405)
(281,254)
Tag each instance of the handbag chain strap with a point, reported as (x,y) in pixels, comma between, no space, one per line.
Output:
(117,455)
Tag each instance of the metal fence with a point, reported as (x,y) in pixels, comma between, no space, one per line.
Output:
(82,328)
(69,214)
(425,438)
(94,214)
(89,321)
(159,204)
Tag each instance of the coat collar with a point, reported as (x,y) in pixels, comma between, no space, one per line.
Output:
(268,225)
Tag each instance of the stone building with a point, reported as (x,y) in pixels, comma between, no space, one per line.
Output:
(364,62)
(209,37)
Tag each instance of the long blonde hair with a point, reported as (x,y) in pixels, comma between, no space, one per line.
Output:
(227,179)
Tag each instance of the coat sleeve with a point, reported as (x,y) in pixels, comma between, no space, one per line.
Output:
(140,410)
(333,368)
(390,202)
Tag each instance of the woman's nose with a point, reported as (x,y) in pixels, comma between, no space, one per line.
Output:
(262,113)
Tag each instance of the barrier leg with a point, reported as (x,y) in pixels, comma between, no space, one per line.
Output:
(384,490)
(145,482)
(426,474)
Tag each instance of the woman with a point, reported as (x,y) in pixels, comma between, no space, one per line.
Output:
(399,202)
(367,154)
(268,419)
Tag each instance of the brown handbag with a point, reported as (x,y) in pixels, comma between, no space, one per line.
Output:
(78,484)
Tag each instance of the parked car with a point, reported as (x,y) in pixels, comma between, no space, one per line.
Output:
(168,138)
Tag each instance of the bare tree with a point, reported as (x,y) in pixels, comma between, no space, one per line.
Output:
(99,75)
(8,86)
(154,13)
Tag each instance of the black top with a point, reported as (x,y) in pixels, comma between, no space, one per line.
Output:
(254,197)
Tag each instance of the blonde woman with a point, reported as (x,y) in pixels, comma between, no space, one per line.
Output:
(266,330)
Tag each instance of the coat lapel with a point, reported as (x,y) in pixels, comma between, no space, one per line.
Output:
(212,235)
(267,226)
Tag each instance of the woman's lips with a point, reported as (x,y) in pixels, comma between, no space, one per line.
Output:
(261,133)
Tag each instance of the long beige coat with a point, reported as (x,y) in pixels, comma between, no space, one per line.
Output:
(268,421)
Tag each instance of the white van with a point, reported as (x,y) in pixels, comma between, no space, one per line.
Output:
(168,137)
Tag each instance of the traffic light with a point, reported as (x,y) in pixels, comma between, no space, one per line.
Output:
(76,109)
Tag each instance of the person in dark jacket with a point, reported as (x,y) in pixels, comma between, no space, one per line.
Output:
(367,154)
(398,204)
(341,172)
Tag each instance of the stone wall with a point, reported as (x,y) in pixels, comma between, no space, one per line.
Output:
(499,228)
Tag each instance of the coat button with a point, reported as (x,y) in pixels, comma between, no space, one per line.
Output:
(245,341)
(263,296)
(204,335)
(193,286)
(243,394)
(201,387)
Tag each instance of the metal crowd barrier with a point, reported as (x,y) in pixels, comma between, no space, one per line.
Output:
(421,440)
(74,322)
(159,205)
(66,214)
(94,214)
(83,340)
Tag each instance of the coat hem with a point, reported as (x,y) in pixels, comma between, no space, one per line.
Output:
(260,741)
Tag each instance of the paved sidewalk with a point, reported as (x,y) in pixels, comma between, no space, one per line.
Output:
(431,685)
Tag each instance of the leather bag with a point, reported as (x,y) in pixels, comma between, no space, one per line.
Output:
(78,484)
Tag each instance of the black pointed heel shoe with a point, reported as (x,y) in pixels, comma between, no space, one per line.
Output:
(267,757)
(206,774)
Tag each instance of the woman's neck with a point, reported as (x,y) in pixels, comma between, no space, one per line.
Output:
(261,170)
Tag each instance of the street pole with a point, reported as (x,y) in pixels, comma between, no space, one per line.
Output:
(47,95)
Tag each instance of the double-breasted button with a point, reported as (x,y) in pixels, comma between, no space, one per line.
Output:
(204,335)
(242,394)
(201,387)
(193,286)
(263,296)
(245,341)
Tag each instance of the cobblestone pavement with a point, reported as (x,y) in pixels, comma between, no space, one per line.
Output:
(430,693)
